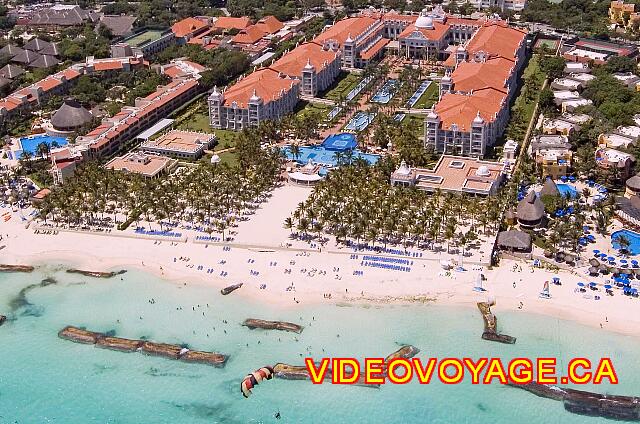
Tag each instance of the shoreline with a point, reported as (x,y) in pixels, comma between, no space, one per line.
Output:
(62,260)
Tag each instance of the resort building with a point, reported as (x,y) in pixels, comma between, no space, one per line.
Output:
(632,187)
(360,39)
(145,43)
(264,28)
(57,16)
(616,141)
(453,174)
(552,155)
(180,144)
(264,94)
(180,68)
(63,163)
(226,23)
(149,166)
(130,121)
(576,68)
(624,14)
(306,175)
(433,32)
(315,66)
(473,109)
(188,28)
(565,124)
(514,241)
(586,50)
(28,98)
(607,158)
(70,117)
(530,211)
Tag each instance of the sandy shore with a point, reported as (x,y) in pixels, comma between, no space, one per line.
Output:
(295,276)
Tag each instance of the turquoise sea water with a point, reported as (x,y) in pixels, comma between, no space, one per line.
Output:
(46,379)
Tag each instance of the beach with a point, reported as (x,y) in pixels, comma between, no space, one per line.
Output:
(293,274)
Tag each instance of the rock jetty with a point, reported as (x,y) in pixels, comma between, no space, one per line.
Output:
(490,325)
(165,350)
(16,268)
(225,291)
(272,325)
(96,274)
(625,408)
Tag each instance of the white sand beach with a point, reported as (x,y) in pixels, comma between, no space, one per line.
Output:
(293,276)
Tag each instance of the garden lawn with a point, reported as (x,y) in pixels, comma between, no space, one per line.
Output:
(429,97)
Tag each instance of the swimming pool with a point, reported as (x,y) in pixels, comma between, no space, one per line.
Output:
(633,237)
(322,156)
(30,144)
(386,92)
(340,142)
(567,189)
(419,92)
(360,121)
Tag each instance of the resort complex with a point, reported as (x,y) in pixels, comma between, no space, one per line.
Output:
(236,193)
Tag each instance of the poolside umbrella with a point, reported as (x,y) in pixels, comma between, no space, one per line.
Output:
(623,261)
(580,284)
(592,284)
(611,259)
(593,270)
(572,178)
(608,286)
(603,256)
(596,252)
(594,262)
(591,237)
(634,263)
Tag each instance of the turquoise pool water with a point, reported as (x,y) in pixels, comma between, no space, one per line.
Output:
(633,237)
(567,189)
(46,379)
(322,156)
(386,92)
(359,121)
(30,144)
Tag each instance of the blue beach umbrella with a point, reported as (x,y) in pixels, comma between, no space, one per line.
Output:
(592,284)
(608,286)
(581,284)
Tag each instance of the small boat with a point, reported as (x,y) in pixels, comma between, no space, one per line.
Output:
(225,291)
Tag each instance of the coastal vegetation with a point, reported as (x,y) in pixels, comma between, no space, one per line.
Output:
(357,203)
(212,197)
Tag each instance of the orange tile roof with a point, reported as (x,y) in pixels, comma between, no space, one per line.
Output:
(48,83)
(373,50)
(394,16)
(293,62)
(496,39)
(187,26)
(248,35)
(450,62)
(70,74)
(348,26)
(266,83)
(437,33)
(228,22)
(462,109)
(109,65)
(269,25)
(493,73)
(452,20)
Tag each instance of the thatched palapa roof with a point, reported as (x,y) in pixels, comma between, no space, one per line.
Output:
(530,208)
(70,115)
(514,239)
(549,188)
